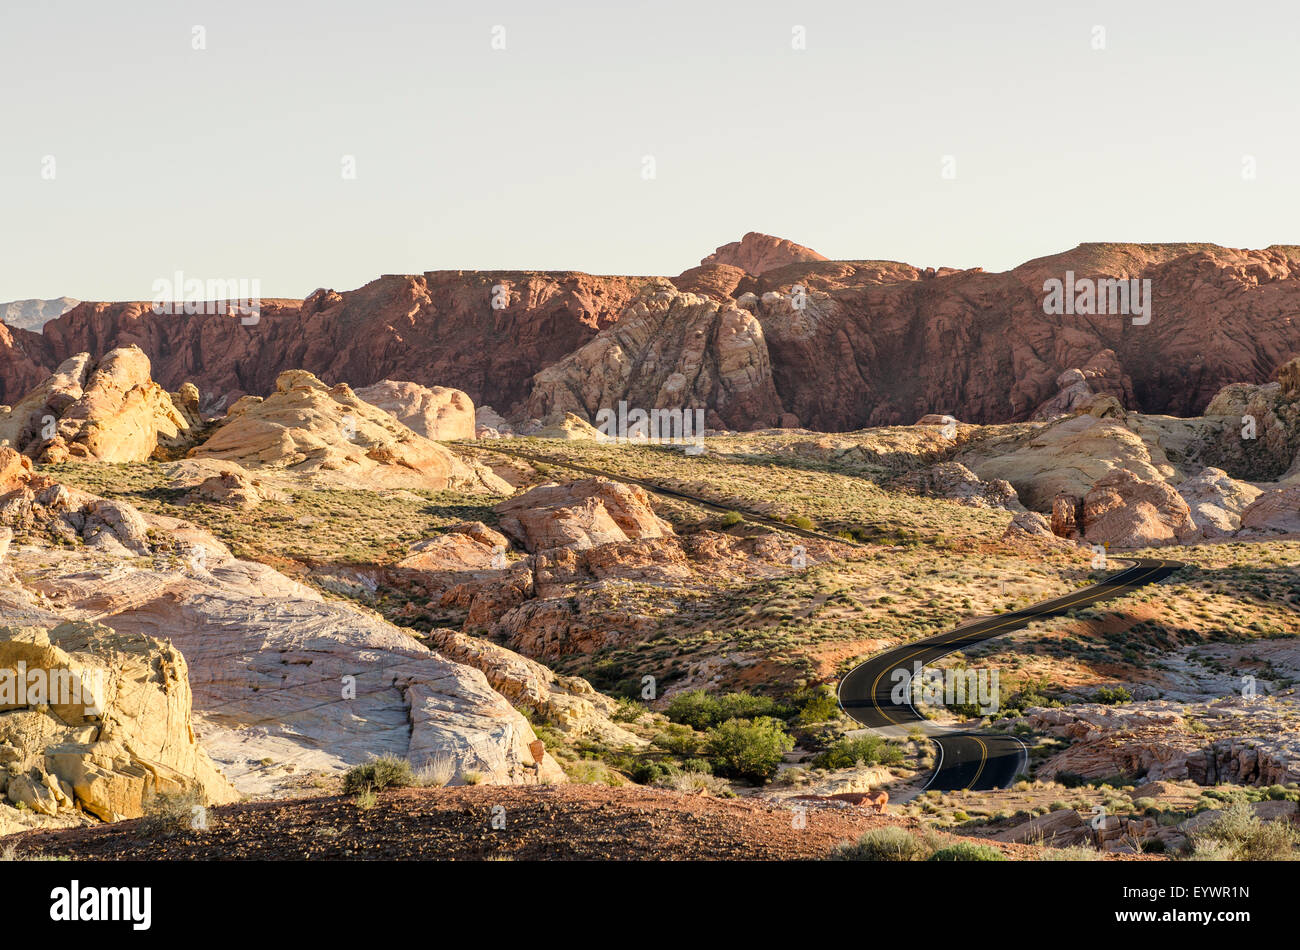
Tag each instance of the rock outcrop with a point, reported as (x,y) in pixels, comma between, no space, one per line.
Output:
(1216,501)
(435,412)
(278,673)
(109,410)
(307,427)
(884,344)
(668,351)
(955,481)
(1066,456)
(1273,512)
(580,515)
(569,702)
(110,728)
(757,253)
(1248,743)
(1124,511)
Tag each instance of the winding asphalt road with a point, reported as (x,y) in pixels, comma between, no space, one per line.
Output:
(976,761)
(967,760)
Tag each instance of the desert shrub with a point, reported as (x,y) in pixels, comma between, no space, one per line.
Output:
(701,710)
(801,521)
(435,772)
(1075,852)
(649,773)
(1238,834)
(816,704)
(696,782)
(678,739)
(590,772)
(694,708)
(968,851)
(171,813)
(1031,693)
(863,750)
(749,706)
(629,710)
(732,518)
(1112,695)
(10,852)
(386,771)
(883,844)
(749,749)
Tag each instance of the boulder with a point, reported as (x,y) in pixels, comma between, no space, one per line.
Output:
(465,547)
(1124,511)
(114,728)
(580,515)
(955,481)
(109,410)
(328,432)
(1273,511)
(435,412)
(1216,501)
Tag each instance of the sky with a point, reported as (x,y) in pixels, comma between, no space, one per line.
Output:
(941,134)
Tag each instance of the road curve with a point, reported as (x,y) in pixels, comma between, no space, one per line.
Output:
(970,760)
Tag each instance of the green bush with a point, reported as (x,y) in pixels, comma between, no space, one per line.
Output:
(647,773)
(748,749)
(678,739)
(882,844)
(816,704)
(748,706)
(701,710)
(732,518)
(694,708)
(387,771)
(848,752)
(1112,695)
(1238,834)
(968,851)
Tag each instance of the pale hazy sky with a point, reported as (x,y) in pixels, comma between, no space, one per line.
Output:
(226,161)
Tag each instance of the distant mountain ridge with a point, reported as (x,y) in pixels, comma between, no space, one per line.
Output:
(34,314)
(823,344)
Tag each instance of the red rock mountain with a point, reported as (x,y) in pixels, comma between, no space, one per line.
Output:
(878,342)
(758,253)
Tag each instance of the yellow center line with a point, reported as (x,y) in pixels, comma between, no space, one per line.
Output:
(1086,594)
(984,757)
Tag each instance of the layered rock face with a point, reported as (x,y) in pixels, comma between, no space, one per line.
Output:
(981,347)
(435,412)
(885,344)
(307,427)
(440,328)
(1262,432)
(669,351)
(110,730)
(1152,739)
(110,410)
